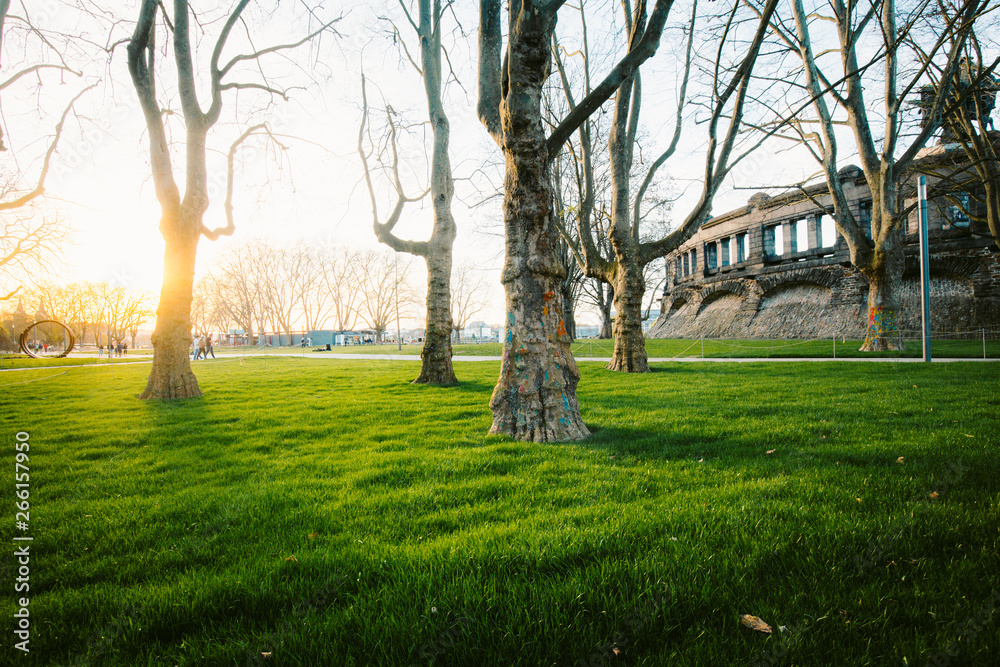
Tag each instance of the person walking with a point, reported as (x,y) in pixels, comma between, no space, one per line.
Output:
(210,349)
(203,347)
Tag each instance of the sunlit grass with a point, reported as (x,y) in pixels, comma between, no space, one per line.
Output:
(332,513)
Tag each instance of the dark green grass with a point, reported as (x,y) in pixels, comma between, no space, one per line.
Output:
(24,361)
(165,531)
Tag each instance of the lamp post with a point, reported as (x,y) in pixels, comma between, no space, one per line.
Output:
(925,282)
(395,276)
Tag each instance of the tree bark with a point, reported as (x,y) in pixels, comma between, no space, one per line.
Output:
(885,274)
(606,301)
(569,316)
(535,397)
(171,376)
(630,345)
(436,367)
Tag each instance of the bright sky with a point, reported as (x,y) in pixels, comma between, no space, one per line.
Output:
(101,179)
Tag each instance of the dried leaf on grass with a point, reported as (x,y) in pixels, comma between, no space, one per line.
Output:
(755,623)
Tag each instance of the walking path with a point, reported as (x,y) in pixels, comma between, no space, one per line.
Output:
(416,357)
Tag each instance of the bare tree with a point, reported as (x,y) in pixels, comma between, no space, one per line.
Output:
(237,284)
(339,268)
(436,367)
(470,294)
(182,219)
(140,307)
(967,181)
(278,274)
(535,396)
(383,290)
(839,93)
(123,311)
(312,301)
(31,236)
(624,268)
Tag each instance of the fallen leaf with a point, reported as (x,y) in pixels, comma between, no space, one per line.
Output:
(771,451)
(934,495)
(292,558)
(899,460)
(755,623)
(969,436)
(858,499)
(312,536)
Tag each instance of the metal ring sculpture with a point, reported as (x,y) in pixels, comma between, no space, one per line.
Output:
(23,340)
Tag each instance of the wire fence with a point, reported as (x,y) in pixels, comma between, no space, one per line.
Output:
(979,343)
(969,344)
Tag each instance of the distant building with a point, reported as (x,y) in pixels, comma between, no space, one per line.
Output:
(478,330)
(778,268)
(323,337)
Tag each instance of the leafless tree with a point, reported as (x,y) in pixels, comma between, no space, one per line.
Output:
(339,267)
(968,181)
(30,240)
(312,301)
(237,285)
(624,268)
(32,235)
(427,22)
(470,294)
(870,58)
(383,290)
(140,308)
(535,396)
(123,311)
(182,218)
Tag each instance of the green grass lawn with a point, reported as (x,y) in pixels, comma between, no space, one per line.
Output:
(331,513)
(24,361)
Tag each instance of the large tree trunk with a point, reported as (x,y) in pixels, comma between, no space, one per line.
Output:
(630,344)
(885,275)
(171,375)
(436,367)
(535,397)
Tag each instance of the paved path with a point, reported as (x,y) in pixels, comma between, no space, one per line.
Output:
(416,357)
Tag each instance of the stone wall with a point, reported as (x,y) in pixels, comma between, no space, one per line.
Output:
(811,290)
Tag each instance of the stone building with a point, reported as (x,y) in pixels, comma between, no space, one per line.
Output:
(777,268)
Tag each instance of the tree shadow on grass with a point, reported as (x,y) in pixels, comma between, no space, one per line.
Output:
(465,386)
